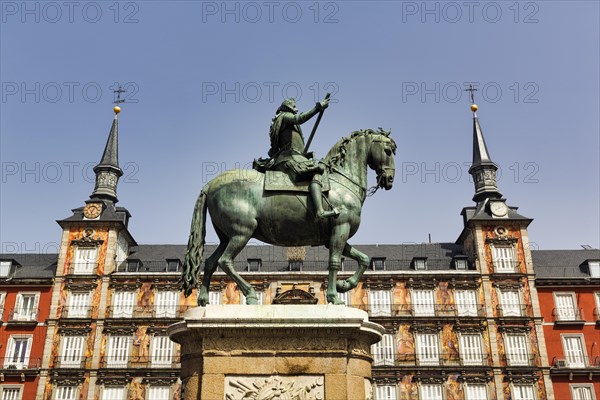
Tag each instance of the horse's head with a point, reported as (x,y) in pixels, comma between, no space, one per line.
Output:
(381,158)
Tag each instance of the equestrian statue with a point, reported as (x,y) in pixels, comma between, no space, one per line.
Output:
(282,202)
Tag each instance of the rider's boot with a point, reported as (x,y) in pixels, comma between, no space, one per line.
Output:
(317,198)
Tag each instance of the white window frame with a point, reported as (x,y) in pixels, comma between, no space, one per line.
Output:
(519,356)
(62,392)
(124,302)
(565,304)
(423,302)
(5,267)
(122,249)
(504,258)
(383,351)
(109,393)
(380,303)
(26,314)
(428,348)
(466,302)
(17,396)
(78,305)
(21,360)
(471,348)
(594,268)
(162,352)
(597,297)
(576,391)
(517,392)
(346,297)
(386,392)
(431,391)
(85,260)
(118,350)
(482,388)
(161,389)
(214,297)
(71,352)
(572,359)
(259,293)
(2,301)
(510,306)
(170,303)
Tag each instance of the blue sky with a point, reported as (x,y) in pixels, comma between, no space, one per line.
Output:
(205,78)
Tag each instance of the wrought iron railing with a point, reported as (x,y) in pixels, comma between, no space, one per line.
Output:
(23,315)
(423,310)
(70,362)
(415,360)
(507,267)
(20,363)
(146,311)
(141,362)
(514,310)
(520,360)
(560,314)
(82,269)
(77,311)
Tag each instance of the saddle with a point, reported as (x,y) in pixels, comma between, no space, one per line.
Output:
(279,181)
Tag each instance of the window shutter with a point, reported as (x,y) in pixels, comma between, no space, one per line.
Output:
(503,258)
(510,303)
(582,393)
(9,355)
(428,349)
(476,392)
(383,351)
(517,350)
(159,393)
(79,304)
(18,311)
(118,351)
(27,352)
(11,394)
(66,393)
(113,393)
(423,303)
(124,304)
(431,392)
(385,392)
(214,297)
(470,349)
(72,351)
(162,351)
(574,352)
(380,302)
(523,392)
(466,302)
(565,307)
(166,304)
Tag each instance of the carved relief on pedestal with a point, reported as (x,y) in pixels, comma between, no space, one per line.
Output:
(303,387)
(368,390)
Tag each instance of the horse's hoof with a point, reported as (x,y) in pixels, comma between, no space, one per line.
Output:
(335,301)
(343,286)
(252,300)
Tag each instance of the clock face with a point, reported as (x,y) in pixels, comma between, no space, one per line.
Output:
(499,209)
(92,210)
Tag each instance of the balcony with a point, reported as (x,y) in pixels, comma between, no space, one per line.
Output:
(514,311)
(568,316)
(85,269)
(597,316)
(122,312)
(20,364)
(425,310)
(167,362)
(520,360)
(506,267)
(84,312)
(70,362)
(23,316)
(412,360)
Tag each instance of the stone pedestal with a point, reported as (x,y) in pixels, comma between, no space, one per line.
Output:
(295,352)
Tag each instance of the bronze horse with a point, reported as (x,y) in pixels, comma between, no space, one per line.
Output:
(240,210)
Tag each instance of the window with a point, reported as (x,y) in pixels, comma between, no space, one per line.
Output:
(254,264)
(516,349)
(582,392)
(117,351)
(162,351)
(475,391)
(574,351)
(428,352)
(2,300)
(5,268)
(122,249)
(166,304)
(123,304)
(597,295)
(295,265)
(133,265)
(378,263)
(420,263)
(470,349)
(380,302)
(566,307)
(85,260)
(260,295)
(594,267)
(461,263)
(466,303)
(11,393)
(173,265)
(26,307)
(523,392)
(385,392)
(17,352)
(383,351)
(510,303)
(159,393)
(214,297)
(504,259)
(66,393)
(113,393)
(431,392)
(423,303)
(72,351)
(79,305)
(346,297)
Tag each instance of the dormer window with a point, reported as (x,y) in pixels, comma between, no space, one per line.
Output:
(420,263)
(461,263)
(173,265)
(295,265)
(254,264)
(594,268)
(5,267)
(133,265)
(378,263)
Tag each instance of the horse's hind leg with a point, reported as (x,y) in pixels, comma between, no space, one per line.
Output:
(210,266)
(339,235)
(233,248)
(363,263)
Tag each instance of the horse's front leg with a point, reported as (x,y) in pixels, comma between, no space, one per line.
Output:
(363,263)
(339,235)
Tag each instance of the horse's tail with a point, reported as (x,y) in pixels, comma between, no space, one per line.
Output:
(195,247)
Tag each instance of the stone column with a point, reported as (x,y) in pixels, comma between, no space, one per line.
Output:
(291,351)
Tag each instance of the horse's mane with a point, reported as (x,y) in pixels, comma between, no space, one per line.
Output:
(337,154)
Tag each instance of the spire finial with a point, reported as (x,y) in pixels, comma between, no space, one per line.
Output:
(472,91)
(117,93)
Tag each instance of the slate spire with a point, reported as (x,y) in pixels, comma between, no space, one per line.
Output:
(108,171)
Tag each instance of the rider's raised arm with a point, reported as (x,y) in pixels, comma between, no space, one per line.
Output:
(301,118)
